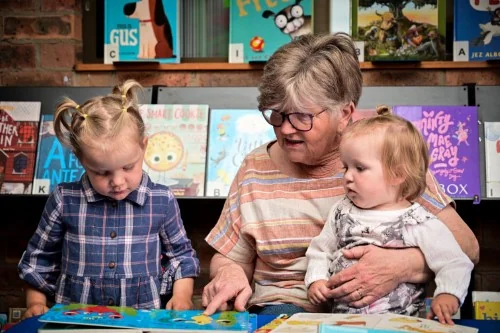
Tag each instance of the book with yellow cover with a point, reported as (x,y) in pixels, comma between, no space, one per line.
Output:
(486,310)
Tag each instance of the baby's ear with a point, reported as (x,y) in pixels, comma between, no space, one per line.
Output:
(398,176)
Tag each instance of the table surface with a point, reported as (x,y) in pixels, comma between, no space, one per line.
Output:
(32,324)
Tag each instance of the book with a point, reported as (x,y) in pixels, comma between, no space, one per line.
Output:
(492,158)
(73,328)
(145,30)
(486,310)
(55,163)
(340,16)
(387,322)
(272,324)
(233,133)
(177,146)
(399,30)
(147,320)
(19,123)
(476,27)
(452,135)
(485,296)
(258,28)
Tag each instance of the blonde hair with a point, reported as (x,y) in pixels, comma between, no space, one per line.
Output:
(311,70)
(100,119)
(404,152)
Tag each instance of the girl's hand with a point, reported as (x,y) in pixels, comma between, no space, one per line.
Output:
(444,306)
(179,302)
(35,310)
(318,292)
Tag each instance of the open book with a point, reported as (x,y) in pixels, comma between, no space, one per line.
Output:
(156,320)
(325,322)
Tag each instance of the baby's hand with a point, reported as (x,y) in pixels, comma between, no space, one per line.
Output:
(35,310)
(178,302)
(444,306)
(318,292)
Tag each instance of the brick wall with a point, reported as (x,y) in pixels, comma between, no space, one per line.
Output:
(41,41)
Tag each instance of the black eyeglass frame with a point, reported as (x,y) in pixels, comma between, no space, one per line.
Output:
(285,115)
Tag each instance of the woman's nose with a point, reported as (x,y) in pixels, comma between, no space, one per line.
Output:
(287,128)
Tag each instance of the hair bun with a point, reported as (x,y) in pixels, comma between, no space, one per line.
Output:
(383,110)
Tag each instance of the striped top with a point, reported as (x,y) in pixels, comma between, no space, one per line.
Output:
(270,218)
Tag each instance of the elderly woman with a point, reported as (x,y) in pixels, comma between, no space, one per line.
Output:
(283,191)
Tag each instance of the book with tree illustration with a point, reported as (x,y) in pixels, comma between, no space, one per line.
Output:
(157,320)
(177,146)
(394,30)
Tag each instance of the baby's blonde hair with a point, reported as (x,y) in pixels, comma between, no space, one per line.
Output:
(404,152)
(99,120)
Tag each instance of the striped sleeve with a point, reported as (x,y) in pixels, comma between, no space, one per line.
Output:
(434,199)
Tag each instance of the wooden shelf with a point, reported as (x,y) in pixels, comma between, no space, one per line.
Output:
(224,66)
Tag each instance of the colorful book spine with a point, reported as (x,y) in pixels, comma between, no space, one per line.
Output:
(19,123)
(492,158)
(146,30)
(476,26)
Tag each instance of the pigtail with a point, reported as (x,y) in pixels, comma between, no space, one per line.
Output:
(64,120)
(383,110)
(128,95)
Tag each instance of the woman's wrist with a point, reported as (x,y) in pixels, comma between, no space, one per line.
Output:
(414,268)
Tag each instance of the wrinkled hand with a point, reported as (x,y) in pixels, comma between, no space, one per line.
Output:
(35,310)
(372,277)
(229,283)
(318,292)
(444,306)
(179,302)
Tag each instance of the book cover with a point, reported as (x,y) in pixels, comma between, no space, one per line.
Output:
(387,322)
(177,146)
(485,296)
(156,319)
(476,28)
(74,328)
(19,123)
(233,133)
(486,310)
(389,30)
(340,16)
(258,28)
(452,135)
(55,163)
(492,158)
(146,30)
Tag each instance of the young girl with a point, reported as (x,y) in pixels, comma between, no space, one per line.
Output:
(99,240)
(385,159)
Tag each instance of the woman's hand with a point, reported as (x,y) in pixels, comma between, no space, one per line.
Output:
(229,283)
(35,309)
(378,272)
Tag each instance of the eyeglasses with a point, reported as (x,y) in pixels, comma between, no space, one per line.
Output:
(299,120)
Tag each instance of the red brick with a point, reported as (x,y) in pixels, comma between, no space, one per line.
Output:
(31,78)
(57,5)
(60,27)
(61,55)
(249,78)
(163,78)
(10,5)
(17,56)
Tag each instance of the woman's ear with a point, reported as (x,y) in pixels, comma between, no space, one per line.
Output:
(346,115)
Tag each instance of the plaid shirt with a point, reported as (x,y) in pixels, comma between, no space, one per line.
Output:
(90,249)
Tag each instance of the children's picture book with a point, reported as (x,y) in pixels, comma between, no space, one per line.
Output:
(492,158)
(340,16)
(233,133)
(452,136)
(476,27)
(147,320)
(485,296)
(146,30)
(177,146)
(19,123)
(258,28)
(399,30)
(387,322)
(74,328)
(55,163)
(486,310)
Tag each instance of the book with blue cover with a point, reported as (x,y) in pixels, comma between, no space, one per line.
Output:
(160,320)
(139,31)
(257,29)
(55,163)
(476,26)
(233,133)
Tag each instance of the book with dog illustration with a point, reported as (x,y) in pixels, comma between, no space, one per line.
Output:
(476,26)
(147,320)
(399,30)
(55,163)
(146,30)
(233,133)
(257,29)
(387,322)
(19,123)
(452,135)
(177,146)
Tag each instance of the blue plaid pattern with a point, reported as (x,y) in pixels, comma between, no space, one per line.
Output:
(90,249)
